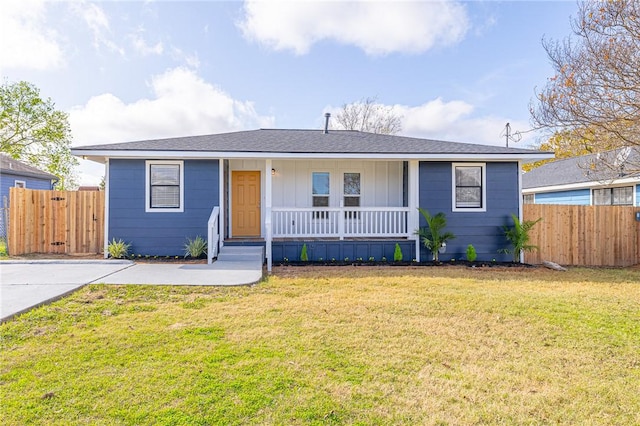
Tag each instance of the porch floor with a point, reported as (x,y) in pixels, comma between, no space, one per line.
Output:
(247,240)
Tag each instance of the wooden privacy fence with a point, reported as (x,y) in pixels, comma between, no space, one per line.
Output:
(584,235)
(69,222)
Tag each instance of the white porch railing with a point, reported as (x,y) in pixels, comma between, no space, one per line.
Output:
(213,235)
(340,222)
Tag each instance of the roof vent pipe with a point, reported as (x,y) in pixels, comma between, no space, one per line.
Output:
(326,122)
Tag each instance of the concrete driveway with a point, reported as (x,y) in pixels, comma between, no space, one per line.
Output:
(27,284)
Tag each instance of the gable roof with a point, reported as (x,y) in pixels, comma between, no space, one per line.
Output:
(302,143)
(573,170)
(9,165)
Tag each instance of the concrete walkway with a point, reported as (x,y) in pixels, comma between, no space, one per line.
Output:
(235,266)
(25,285)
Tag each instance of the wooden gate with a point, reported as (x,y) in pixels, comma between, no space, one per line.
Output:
(70,222)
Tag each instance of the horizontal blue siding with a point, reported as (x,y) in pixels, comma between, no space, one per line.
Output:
(578,197)
(481,229)
(8,180)
(341,250)
(160,234)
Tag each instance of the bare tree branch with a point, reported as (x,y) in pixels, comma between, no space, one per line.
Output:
(595,92)
(367,115)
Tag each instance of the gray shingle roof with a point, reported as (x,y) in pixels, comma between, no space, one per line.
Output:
(12,166)
(306,141)
(570,171)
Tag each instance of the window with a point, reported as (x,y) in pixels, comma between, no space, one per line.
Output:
(529,198)
(19,184)
(621,196)
(351,196)
(164,186)
(469,189)
(352,189)
(320,192)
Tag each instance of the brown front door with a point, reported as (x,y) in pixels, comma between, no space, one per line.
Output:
(245,203)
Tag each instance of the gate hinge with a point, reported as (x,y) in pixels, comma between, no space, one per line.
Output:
(58,243)
(57,199)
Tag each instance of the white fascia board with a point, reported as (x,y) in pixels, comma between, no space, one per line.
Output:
(99,156)
(582,185)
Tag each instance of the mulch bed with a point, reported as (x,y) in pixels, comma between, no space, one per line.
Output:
(477,264)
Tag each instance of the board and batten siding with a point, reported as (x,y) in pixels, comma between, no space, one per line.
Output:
(381,182)
(481,229)
(159,233)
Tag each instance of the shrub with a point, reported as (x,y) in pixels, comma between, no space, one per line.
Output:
(518,236)
(304,257)
(196,247)
(3,247)
(397,254)
(471,253)
(433,236)
(118,249)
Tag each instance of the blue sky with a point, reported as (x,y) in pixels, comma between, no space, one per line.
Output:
(149,69)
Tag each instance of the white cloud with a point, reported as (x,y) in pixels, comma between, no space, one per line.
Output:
(454,121)
(25,41)
(451,121)
(191,60)
(98,22)
(182,104)
(141,46)
(377,27)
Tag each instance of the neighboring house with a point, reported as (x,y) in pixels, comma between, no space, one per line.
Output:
(18,174)
(346,194)
(572,181)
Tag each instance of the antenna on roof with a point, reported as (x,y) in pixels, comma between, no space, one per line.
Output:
(327,115)
(509,136)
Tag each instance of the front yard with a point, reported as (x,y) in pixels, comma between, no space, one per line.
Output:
(348,345)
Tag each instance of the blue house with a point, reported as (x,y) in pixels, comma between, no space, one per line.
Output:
(14,173)
(345,194)
(584,181)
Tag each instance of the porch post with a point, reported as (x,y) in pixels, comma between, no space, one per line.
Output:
(267,212)
(414,202)
(221,201)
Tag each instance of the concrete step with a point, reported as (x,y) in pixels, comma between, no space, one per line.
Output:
(241,254)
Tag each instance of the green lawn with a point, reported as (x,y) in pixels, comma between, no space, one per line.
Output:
(350,345)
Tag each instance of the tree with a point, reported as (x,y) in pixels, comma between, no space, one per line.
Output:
(564,145)
(367,115)
(33,131)
(595,92)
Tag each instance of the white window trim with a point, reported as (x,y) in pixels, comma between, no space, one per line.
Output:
(20,183)
(484,188)
(147,187)
(311,186)
(342,187)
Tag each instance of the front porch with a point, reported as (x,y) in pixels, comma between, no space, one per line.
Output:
(339,208)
